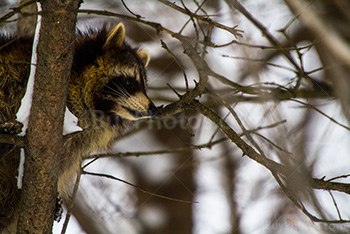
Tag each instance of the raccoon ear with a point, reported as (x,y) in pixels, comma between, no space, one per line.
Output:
(144,56)
(116,36)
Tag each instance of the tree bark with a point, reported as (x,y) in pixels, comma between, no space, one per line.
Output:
(45,129)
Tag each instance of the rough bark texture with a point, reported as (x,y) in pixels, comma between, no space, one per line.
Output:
(45,139)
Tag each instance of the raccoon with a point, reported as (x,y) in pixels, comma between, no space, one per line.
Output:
(106,93)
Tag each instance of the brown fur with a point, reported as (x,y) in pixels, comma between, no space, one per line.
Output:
(106,93)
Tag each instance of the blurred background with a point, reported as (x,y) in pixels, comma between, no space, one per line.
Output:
(299,117)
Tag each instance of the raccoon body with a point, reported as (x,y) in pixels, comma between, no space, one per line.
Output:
(106,93)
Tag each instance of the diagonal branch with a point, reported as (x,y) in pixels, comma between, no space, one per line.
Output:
(275,168)
(205,19)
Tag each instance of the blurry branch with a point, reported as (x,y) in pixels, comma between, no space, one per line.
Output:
(333,41)
(207,145)
(259,61)
(205,19)
(191,19)
(272,143)
(235,138)
(233,96)
(268,163)
(275,168)
(127,8)
(16,10)
(300,205)
(89,220)
(26,25)
(151,153)
(263,47)
(322,113)
(135,186)
(157,26)
(239,122)
(71,204)
(234,4)
(12,139)
(164,45)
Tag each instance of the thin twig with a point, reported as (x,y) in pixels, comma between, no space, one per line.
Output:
(338,177)
(335,204)
(272,143)
(157,152)
(233,30)
(234,4)
(322,113)
(136,187)
(71,204)
(300,205)
(12,139)
(217,129)
(16,10)
(127,8)
(239,122)
(260,61)
(207,145)
(174,90)
(262,47)
(266,162)
(177,62)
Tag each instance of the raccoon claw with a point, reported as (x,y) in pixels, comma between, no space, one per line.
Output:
(59,209)
(12,128)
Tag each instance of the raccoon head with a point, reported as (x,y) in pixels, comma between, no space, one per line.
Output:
(116,76)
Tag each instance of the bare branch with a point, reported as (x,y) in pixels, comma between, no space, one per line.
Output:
(322,113)
(233,30)
(12,139)
(135,186)
(16,10)
(332,40)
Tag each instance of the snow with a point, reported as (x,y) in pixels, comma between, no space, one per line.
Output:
(20,169)
(70,123)
(26,103)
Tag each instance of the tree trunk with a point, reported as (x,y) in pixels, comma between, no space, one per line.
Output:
(44,135)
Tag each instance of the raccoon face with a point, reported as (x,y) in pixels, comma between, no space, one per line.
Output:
(123,93)
(125,97)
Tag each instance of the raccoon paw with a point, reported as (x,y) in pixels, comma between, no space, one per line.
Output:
(12,128)
(59,209)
